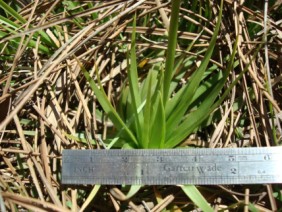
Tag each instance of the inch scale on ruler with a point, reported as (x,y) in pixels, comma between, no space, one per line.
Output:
(174,166)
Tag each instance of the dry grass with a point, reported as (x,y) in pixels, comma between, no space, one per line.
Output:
(46,105)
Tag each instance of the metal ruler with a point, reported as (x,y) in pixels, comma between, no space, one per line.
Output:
(174,166)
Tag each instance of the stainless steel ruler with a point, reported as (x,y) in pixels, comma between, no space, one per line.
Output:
(174,166)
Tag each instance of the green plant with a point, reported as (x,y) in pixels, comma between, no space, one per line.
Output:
(158,105)
(157,114)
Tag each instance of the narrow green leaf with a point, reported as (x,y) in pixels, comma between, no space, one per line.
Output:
(172,41)
(133,83)
(158,125)
(203,91)
(69,7)
(32,43)
(132,72)
(205,88)
(8,23)
(18,17)
(147,115)
(107,106)
(91,196)
(159,86)
(253,208)
(181,67)
(12,12)
(177,96)
(79,137)
(192,26)
(132,191)
(174,119)
(193,193)
(122,104)
(154,72)
(195,118)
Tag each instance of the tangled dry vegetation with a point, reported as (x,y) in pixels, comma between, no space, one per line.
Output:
(46,104)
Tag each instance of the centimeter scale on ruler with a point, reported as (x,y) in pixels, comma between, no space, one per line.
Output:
(201,166)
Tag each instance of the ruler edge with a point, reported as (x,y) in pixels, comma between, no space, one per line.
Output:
(196,150)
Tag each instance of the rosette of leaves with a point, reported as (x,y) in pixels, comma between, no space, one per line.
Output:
(156,113)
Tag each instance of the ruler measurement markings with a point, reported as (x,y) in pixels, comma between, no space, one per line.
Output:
(170,181)
(194,166)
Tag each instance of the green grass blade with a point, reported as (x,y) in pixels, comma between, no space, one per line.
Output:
(252,208)
(195,118)
(12,27)
(193,193)
(12,12)
(107,106)
(122,104)
(181,66)
(158,125)
(145,84)
(147,115)
(180,109)
(132,191)
(10,24)
(133,83)
(204,89)
(69,7)
(31,43)
(200,94)
(238,78)
(91,196)
(172,41)
(79,137)
(18,17)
